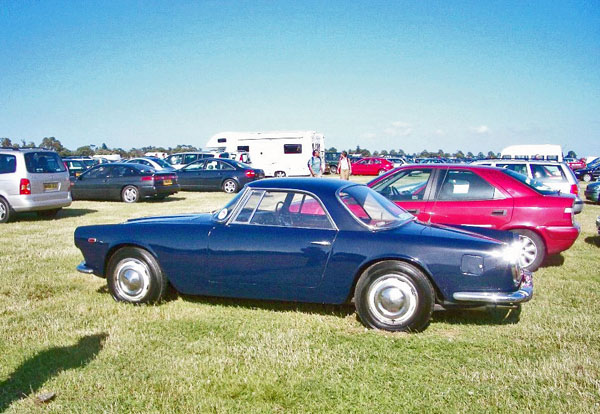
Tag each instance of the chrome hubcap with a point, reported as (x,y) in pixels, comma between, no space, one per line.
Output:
(393,299)
(130,195)
(279,174)
(528,251)
(2,211)
(229,187)
(132,279)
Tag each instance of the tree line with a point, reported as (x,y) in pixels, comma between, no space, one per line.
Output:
(53,143)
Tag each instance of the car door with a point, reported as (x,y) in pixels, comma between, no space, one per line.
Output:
(189,177)
(463,197)
(212,174)
(409,188)
(89,185)
(360,167)
(277,239)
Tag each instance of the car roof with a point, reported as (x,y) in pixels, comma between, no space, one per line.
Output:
(312,185)
(513,161)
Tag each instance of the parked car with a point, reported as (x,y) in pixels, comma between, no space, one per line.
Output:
(575,164)
(217,174)
(32,179)
(554,175)
(180,159)
(122,181)
(75,167)
(309,240)
(331,162)
(87,161)
(487,197)
(157,163)
(396,161)
(592,192)
(590,172)
(371,166)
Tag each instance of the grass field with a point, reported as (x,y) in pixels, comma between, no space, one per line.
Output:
(61,332)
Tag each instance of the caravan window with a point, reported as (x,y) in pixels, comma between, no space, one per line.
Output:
(292,148)
(220,140)
(243,148)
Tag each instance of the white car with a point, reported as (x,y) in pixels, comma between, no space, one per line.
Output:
(154,162)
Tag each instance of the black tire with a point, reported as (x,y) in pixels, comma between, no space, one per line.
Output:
(587,177)
(134,276)
(130,194)
(230,186)
(394,296)
(533,249)
(279,174)
(48,214)
(333,169)
(6,211)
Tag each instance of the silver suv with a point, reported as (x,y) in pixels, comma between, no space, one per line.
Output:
(32,179)
(555,175)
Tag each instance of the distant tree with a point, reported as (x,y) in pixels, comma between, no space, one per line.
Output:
(401,153)
(135,152)
(424,154)
(6,142)
(480,155)
(375,153)
(470,155)
(52,143)
(393,153)
(491,154)
(571,154)
(459,154)
(85,151)
(332,149)
(358,150)
(183,148)
(104,147)
(383,153)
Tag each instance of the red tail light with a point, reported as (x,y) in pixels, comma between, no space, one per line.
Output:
(25,187)
(147,178)
(250,173)
(574,189)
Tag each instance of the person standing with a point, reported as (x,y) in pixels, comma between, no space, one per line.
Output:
(315,165)
(344,166)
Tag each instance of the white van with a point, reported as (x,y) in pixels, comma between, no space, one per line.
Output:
(278,153)
(546,152)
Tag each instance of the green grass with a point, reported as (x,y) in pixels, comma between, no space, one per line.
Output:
(61,332)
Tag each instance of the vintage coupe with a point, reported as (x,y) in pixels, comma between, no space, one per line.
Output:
(310,240)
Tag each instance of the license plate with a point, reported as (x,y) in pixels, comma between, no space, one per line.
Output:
(167,182)
(50,186)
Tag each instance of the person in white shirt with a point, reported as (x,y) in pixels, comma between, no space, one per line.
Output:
(344,166)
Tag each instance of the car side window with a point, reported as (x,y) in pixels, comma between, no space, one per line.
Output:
(100,172)
(212,165)
(174,159)
(225,166)
(466,185)
(248,209)
(547,173)
(267,212)
(120,171)
(407,185)
(8,164)
(519,168)
(189,158)
(305,211)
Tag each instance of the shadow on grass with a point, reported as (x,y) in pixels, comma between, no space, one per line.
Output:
(164,200)
(593,240)
(478,316)
(556,260)
(340,311)
(33,373)
(63,213)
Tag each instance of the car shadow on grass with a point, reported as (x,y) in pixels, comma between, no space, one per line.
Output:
(478,316)
(28,378)
(556,260)
(340,311)
(64,213)
(593,240)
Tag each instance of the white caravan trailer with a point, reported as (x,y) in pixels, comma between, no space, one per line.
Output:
(546,152)
(278,153)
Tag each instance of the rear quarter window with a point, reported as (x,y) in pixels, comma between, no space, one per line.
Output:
(43,162)
(8,164)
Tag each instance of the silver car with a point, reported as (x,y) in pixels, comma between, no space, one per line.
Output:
(555,175)
(32,179)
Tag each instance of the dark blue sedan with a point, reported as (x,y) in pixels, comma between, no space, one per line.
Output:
(217,174)
(310,240)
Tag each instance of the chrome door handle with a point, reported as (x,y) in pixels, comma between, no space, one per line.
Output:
(413,210)
(498,212)
(321,243)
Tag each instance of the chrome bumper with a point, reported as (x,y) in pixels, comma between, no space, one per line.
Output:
(524,294)
(82,268)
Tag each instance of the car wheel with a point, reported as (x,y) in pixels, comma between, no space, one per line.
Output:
(230,186)
(587,177)
(533,249)
(381,172)
(6,212)
(394,296)
(333,170)
(48,214)
(134,276)
(279,173)
(130,194)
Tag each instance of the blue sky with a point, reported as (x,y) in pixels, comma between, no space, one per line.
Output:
(475,76)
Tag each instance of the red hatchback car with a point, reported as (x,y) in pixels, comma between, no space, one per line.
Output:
(371,166)
(486,197)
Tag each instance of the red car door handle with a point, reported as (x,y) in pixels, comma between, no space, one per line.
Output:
(498,212)
(413,210)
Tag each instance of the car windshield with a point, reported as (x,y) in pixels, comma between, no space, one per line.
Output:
(223,213)
(76,165)
(242,165)
(43,162)
(594,163)
(162,163)
(531,183)
(372,209)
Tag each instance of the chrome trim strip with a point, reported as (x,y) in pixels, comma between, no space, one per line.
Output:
(524,294)
(83,268)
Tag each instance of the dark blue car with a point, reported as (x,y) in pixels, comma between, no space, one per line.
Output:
(310,240)
(217,174)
